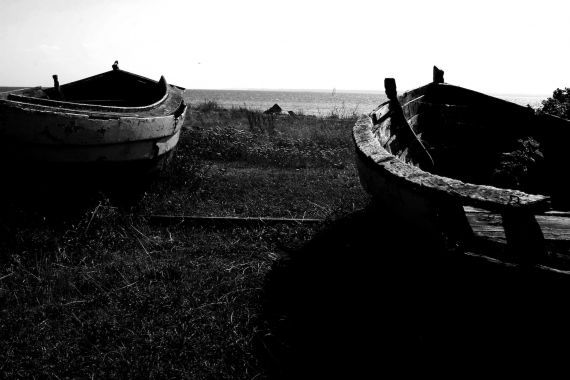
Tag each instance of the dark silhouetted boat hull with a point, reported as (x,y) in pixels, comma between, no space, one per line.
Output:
(431,152)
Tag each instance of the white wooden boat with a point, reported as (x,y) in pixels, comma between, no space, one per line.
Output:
(115,126)
(429,154)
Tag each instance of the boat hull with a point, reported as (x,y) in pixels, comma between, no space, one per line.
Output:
(62,144)
(49,137)
(425,155)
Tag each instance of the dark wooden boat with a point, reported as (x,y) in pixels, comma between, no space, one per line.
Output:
(110,128)
(428,158)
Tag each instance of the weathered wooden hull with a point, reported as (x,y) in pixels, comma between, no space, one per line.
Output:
(60,133)
(424,156)
(64,132)
(63,136)
(126,151)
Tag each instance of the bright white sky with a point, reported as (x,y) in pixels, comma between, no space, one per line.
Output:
(495,46)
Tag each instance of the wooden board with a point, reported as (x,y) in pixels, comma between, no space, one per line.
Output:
(554,226)
(221,222)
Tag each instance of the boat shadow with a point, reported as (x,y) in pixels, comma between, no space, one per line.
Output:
(363,298)
(59,198)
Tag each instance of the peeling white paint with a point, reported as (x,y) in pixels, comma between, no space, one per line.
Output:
(48,135)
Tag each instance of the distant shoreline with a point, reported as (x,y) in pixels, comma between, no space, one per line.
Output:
(510,95)
(502,94)
(9,88)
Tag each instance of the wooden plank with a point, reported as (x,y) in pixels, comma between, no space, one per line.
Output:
(479,257)
(554,226)
(415,93)
(224,222)
(565,214)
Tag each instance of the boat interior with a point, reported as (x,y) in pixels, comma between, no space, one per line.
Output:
(462,134)
(113,90)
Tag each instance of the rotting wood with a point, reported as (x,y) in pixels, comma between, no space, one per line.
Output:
(418,199)
(554,226)
(410,146)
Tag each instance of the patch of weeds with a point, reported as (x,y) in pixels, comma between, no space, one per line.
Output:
(209,105)
(105,295)
(343,112)
(260,122)
(271,140)
(558,104)
(515,168)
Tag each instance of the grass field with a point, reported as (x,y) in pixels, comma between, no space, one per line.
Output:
(107,295)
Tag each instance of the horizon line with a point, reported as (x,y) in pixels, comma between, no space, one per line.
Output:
(349,91)
(504,93)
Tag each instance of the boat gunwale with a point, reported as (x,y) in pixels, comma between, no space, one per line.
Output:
(132,113)
(58,104)
(77,106)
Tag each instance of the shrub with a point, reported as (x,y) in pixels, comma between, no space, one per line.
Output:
(343,112)
(209,105)
(260,122)
(558,104)
(514,169)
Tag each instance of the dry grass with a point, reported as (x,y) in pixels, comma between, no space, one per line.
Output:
(106,295)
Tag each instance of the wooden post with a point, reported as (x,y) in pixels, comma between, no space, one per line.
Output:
(437,75)
(57,88)
(524,236)
(447,216)
(453,223)
(405,134)
(390,87)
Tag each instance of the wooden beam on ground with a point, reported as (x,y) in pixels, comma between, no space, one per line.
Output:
(554,225)
(224,222)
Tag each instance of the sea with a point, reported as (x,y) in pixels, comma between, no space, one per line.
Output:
(316,102)
(319,103)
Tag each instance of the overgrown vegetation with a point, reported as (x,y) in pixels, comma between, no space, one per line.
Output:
(515,169)
(260,122)
(107,295)
(515,166)
(558,104)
